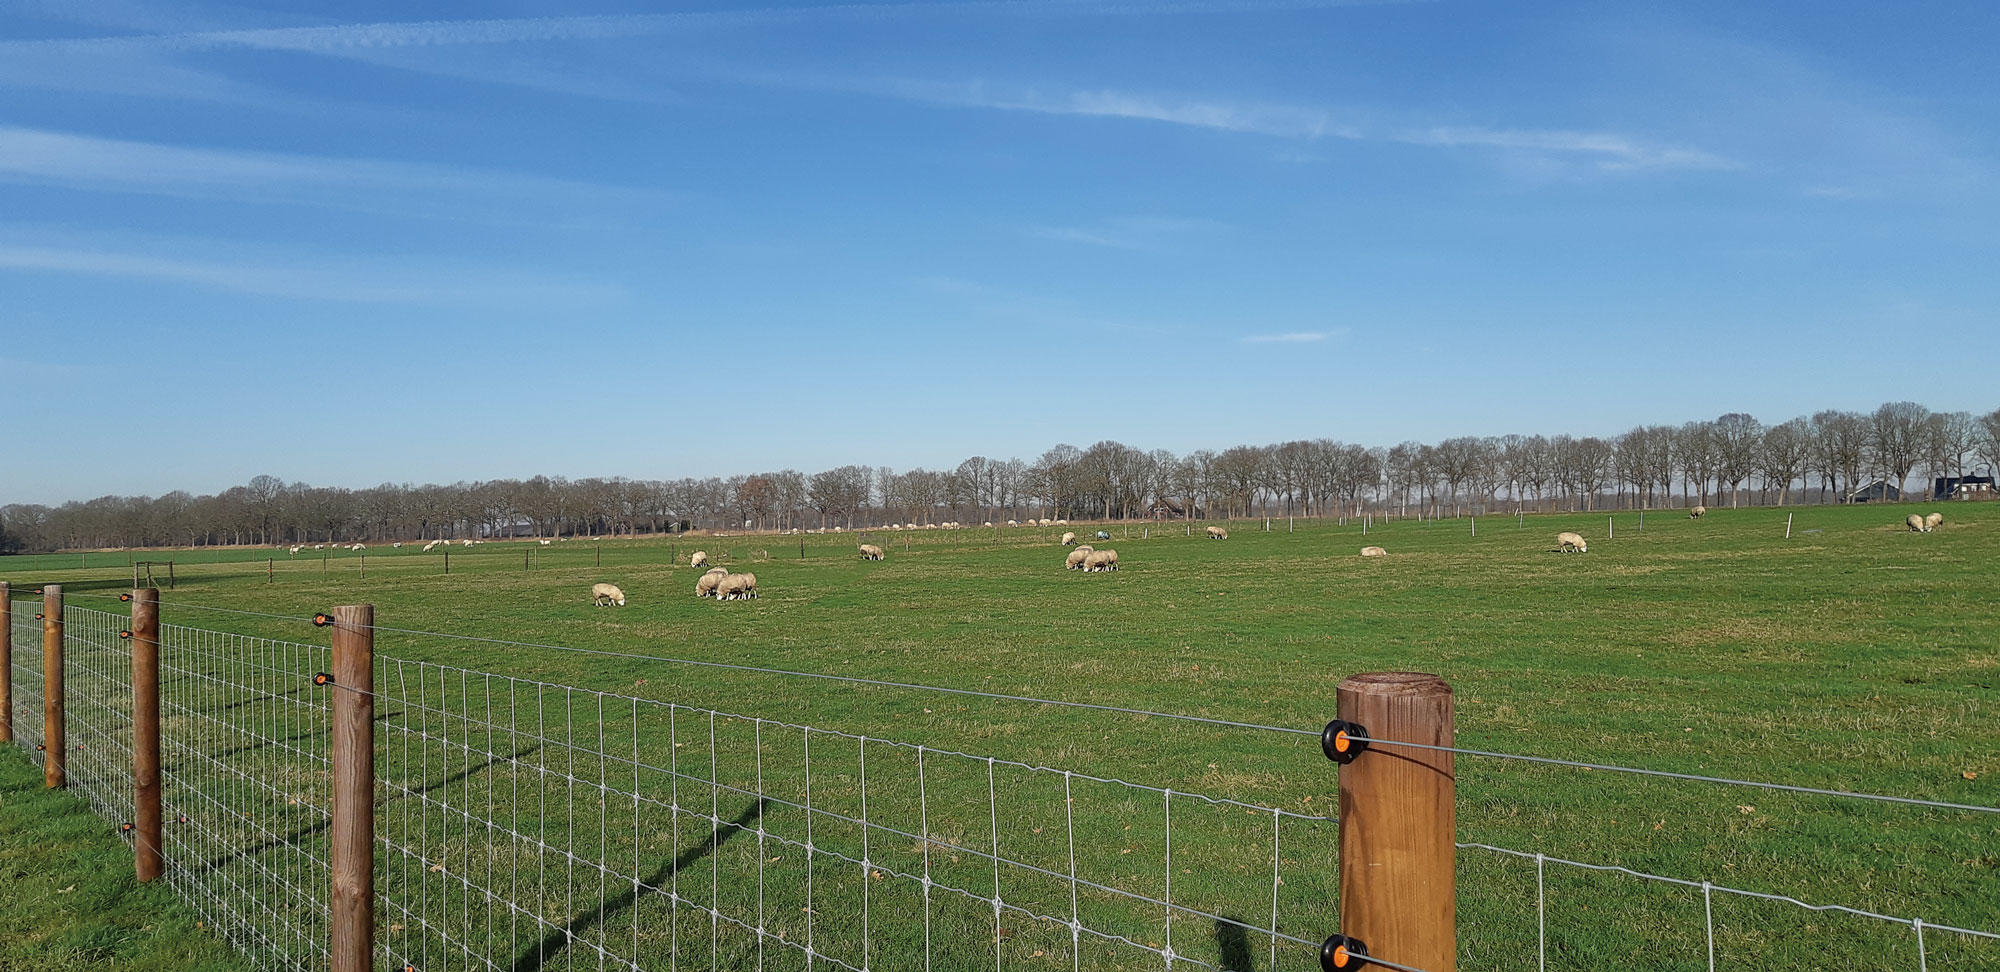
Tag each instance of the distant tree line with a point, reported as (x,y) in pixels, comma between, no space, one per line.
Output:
(1732,460)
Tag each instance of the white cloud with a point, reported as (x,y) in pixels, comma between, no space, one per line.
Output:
(299,276)
(1607,149)
(40,157)
(1127,233)
(1291,337)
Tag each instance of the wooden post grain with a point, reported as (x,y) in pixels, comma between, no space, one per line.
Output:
(53,744)
(1397,822)
(148,858)
(6,663)
(351,896)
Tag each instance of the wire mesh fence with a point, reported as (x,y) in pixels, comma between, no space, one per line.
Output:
(527,825)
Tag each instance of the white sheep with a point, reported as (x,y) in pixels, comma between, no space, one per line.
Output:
(1916,523)
(1374,552)
(705,585)
(1101,560)
(870,551)
(736,587)
(1076,557)
(465,543)
(1695,513)
(1013,523)
(1933,521)
(698,558)
(1217,533)
(397,545)
(1068,539)
(547,542)
(1565,542)
(602,595)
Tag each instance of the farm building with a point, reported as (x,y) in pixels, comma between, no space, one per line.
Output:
(1879,491)
(1963,488)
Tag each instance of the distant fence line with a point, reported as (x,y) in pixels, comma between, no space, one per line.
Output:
(330,807)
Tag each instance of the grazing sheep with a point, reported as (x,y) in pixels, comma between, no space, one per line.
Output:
(870,551)
(1101,560)
(1069,539)
(1933,521)
(296,549)
(1916,523)
(1374,552)
(736,587)
(547,542)
(1696,512)
(1013,523)
(1045,521)
(1565,542)
(1076,557)
(705,585)
(605,594)
(398,545)
(989,523)
(1217,533)
(699,558)
(465,543)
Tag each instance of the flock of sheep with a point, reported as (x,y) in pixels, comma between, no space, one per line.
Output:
(722,585)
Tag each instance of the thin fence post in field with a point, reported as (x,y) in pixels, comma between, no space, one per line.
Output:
(52,687)
(6,662)
(1610,527)
(1788,526)
(148,859)
(270,568)
(447,560)
(1397,823)
(351,857)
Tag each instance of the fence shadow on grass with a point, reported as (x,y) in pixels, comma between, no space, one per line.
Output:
(323,825)
(553,943)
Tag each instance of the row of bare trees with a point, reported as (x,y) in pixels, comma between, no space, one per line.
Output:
(1732,460)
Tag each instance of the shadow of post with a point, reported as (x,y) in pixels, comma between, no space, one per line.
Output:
(1232,945)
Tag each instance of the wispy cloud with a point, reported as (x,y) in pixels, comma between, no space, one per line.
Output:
(1290,337)
(1609,150)
(87,162)
(1127,233)
(1606,151)
(231,268)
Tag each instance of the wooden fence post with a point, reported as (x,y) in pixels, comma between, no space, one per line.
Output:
(351,894)
(148,858)
(1398,891)
(6,662)
(53,745)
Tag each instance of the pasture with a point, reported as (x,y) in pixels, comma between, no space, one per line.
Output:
(1854,655)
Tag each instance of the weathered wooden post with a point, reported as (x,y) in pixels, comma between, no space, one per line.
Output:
(6,663)
(53,745)
(351,858)
(148,858)
(1398,893)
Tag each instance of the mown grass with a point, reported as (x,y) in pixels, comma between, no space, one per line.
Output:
(71,901)
(1854,655)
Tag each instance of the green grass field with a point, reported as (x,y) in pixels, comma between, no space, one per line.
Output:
(71,901)
(1854,655)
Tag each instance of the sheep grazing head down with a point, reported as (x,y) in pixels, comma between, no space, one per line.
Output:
(1567,542)
(603,594)
(698,558)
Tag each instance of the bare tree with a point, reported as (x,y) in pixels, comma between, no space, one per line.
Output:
(1895,439)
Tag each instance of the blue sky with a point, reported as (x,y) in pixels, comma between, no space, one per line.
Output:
(373,242)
